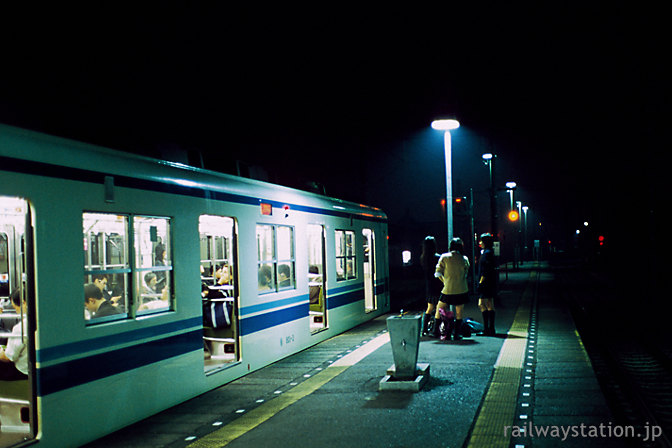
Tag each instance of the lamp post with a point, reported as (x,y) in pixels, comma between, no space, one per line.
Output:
(447,126)
(510,186)
(488,159)
(525,208)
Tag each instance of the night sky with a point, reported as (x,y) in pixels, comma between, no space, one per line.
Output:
(570,97)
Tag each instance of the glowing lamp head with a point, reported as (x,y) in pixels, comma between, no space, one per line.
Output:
(445,125)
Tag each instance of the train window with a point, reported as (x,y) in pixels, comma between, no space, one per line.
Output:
(346,265)
(151,238)
(275,258)
(106,267)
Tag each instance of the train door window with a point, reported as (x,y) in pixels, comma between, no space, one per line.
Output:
(370,303)
(275,258)
(316,278)
(106,267)
(153,267)
(346,261)
(219,291)
(18,418)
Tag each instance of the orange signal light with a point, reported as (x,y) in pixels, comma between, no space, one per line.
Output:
(513,215)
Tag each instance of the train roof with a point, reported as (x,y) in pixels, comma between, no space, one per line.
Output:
(83,161)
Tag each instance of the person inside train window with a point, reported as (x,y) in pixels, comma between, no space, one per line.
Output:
(284,276)
(315,284)
(158,304)
(160,260)
(218,290)
(265,278)
(100,280)
(149,287)
(340,269)
(95,303)
(14,357)
(223,275)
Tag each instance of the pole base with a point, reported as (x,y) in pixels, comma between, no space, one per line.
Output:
(391,383)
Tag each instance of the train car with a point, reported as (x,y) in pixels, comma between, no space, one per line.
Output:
(144,283)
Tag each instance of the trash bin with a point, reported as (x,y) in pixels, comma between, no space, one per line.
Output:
(405,340)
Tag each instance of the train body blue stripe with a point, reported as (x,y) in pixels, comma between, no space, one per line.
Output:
(104,342)
(274,318)
(80,371)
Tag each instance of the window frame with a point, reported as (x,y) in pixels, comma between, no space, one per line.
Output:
(347,255)
(275,262)
(132,274)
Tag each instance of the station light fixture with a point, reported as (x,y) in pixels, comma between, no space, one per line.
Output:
(445,125)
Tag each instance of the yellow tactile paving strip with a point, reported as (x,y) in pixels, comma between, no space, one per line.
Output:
(499,405)
(259,415)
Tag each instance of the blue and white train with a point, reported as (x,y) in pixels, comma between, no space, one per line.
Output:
(147,283)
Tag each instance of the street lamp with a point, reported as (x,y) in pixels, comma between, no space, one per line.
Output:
(525,209)
(488,158)
(510,186)
(447,126)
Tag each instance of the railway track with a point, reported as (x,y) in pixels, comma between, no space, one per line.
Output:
(632,361)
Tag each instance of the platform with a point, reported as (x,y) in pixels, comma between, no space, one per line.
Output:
(506,391)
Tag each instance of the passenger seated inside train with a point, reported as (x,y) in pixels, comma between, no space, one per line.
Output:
(315,284)
(222,283)
(150,284)
(14,357)
(157,304)
(95,303)
(159,260)
(100,280)
(265,278)
(284,276)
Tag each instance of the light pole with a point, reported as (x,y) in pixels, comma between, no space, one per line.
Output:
(488,159)
(510,186)
(447,126)
(525,209)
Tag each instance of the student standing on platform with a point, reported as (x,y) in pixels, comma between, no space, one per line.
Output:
(428,260)
(452,270)
(487,283)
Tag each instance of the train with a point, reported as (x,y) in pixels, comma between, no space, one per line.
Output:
(144,283)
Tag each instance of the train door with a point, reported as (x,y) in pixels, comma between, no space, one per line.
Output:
(317,281)
(219,291)
(370,303)
(17,413)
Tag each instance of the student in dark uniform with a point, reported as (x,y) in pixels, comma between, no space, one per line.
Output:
(487,283)
(96,304)
(428,260)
